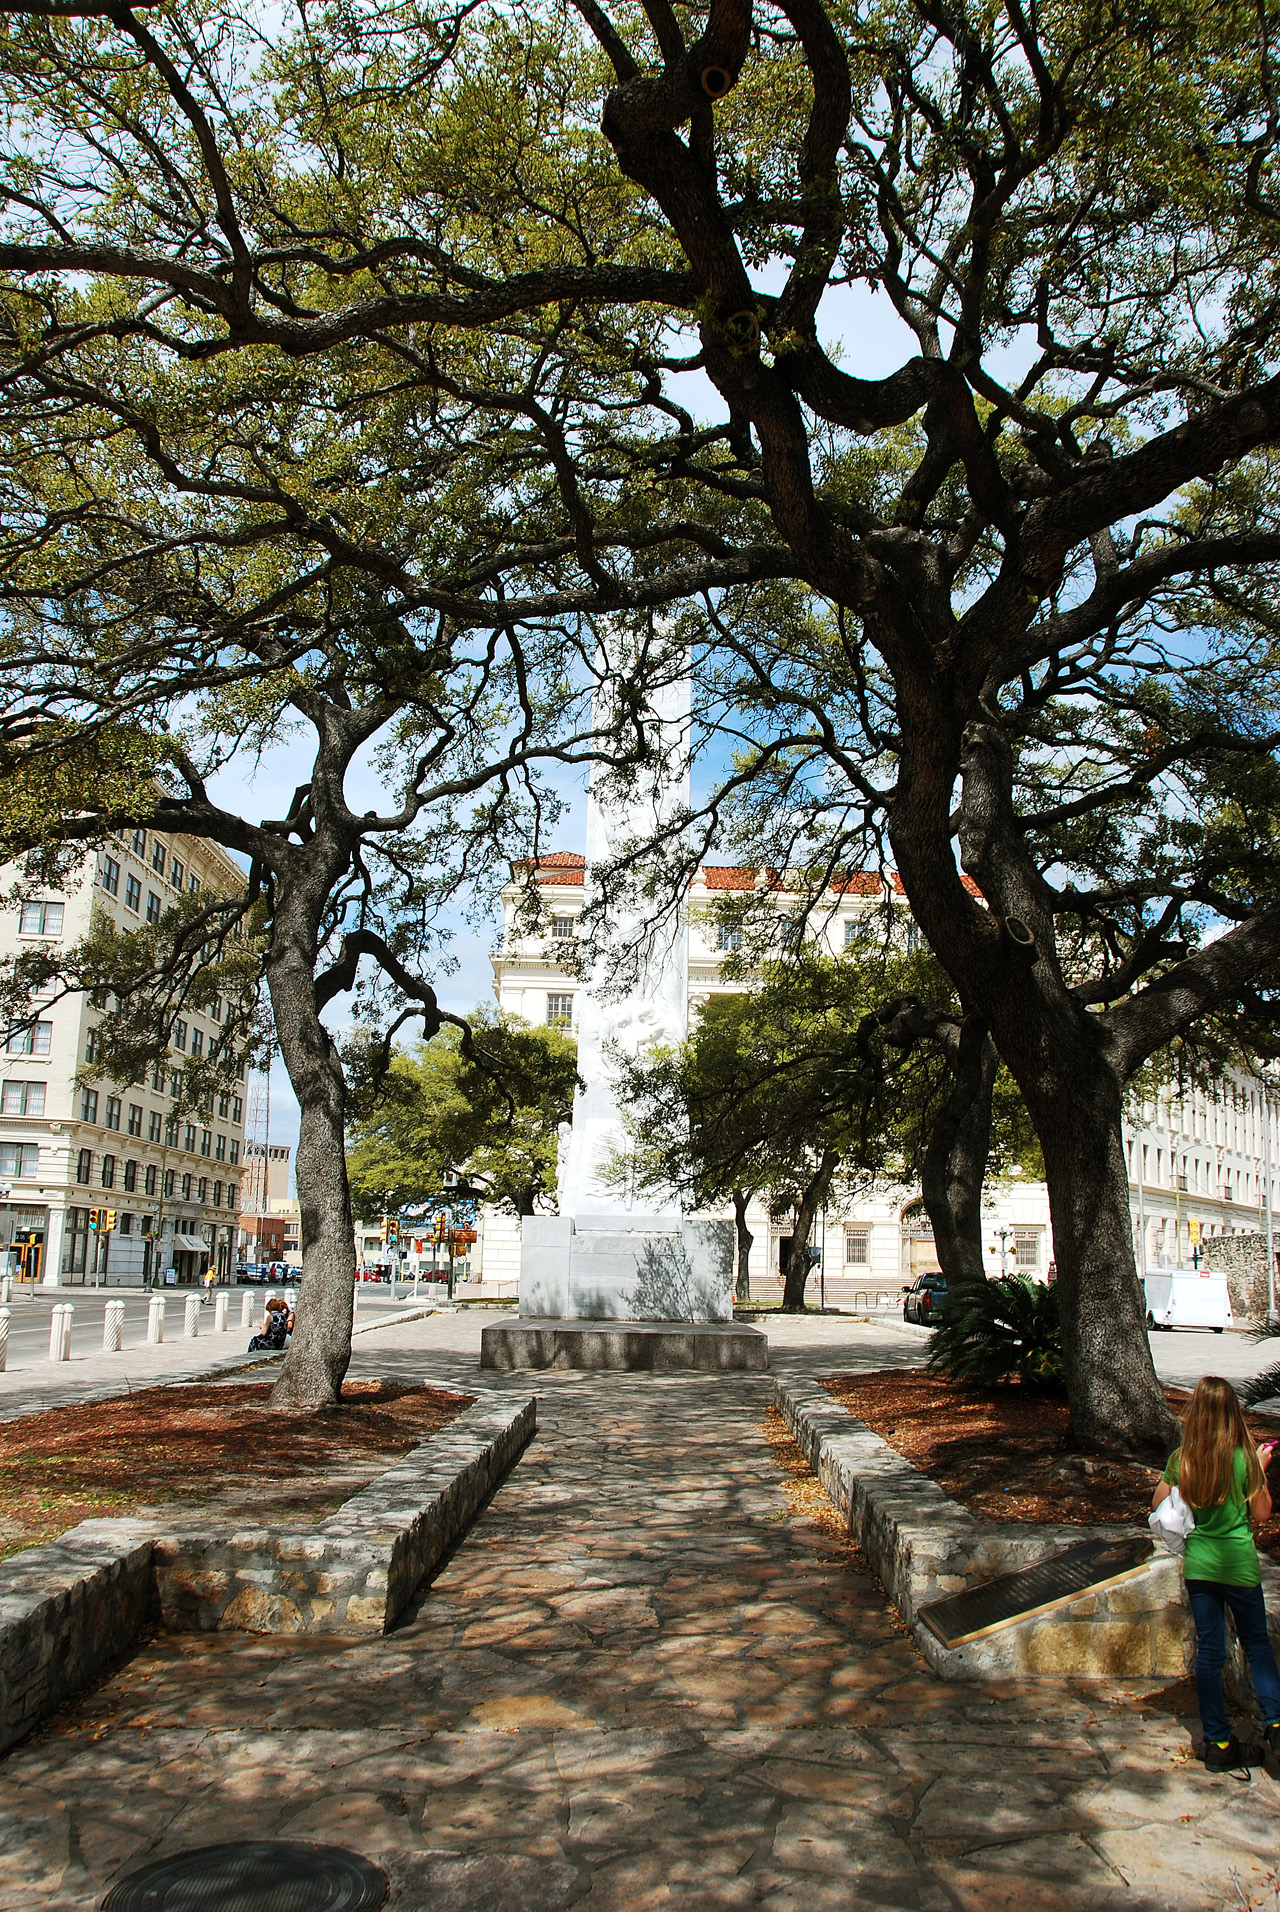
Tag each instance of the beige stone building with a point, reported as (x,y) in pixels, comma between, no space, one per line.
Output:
(68,1147)
(1197,1161)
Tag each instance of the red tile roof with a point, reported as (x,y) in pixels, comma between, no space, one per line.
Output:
(725,877)
(566,867)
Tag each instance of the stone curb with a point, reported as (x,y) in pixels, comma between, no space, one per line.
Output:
(72,1609)
(923,1545)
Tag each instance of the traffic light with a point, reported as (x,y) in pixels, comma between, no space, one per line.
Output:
(108,1220)
(95,1220)
(386,1227)
(391,1234)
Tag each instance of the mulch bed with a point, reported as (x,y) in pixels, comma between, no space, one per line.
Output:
(194,1449)
(1001,1452)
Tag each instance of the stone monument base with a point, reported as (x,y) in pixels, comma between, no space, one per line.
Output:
(643,1346)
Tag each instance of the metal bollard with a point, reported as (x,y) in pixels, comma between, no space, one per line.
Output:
(113,1327)
(291,1299)
(191,1326)
(6,1291)
(246,1310)
(155,1319)
(220,1314)
(4,1338)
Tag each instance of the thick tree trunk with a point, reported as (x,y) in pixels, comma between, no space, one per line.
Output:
(955,1163)
(799,1265)
(320,1349)
(1117,1402)
(742,1286)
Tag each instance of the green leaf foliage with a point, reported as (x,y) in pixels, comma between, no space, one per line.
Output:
(998,1331)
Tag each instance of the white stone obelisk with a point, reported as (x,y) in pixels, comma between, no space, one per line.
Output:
(607,1255)
(655,1009)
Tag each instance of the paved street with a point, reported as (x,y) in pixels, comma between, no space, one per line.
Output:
(646,1679)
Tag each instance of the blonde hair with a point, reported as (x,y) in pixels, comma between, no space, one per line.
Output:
(1212,1429)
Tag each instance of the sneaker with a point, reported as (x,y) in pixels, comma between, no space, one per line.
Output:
(1231,1758)
(1271,1734)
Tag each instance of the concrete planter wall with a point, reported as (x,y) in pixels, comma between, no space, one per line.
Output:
(71,1610)
(923,1545)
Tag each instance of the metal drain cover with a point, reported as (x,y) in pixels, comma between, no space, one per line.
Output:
(262,1875)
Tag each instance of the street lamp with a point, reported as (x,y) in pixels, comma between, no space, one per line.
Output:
(1273,1319)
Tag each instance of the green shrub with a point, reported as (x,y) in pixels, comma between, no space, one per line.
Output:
(1002,1330)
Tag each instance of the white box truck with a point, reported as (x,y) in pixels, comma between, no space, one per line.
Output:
(1187,1298)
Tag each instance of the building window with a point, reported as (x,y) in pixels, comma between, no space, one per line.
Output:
(171,1132)
(562,928)
(189,1138)
(206,1141)
(179,1034)
(42,919)
(130,1176)
(110,876)
(35,1040)
(84,1165)
(727,938)
(215,1011)
(113,1111)
(19,1158)
(202,1189)
(217,1194)
(233,1195)
(186,1188)
(132,894)
(126,1224)
(175,874)
(92,1046)
(153,907)
(197,1043)
(108,1171)
(220,1149)
(22,1098)
(89,1105)
(233,1155)
(157,1078)
(149,1179)
(193,886)
(153,1126)
(224,1107)
(857,1247)
(158,858)
(559,1009)
(138,843)
(168,1181)
(853,933)
(175,1084)
(1026,1248)
(237,1112)
(135,1118)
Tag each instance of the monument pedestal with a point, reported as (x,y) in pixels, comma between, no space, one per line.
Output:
(621,1346)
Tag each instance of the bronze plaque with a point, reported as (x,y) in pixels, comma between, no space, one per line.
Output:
(1019,1596)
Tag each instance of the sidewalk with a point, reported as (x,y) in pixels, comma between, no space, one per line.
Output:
(647,1679)
(101,1377)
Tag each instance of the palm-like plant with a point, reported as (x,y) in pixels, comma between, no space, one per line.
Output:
(1001,1330)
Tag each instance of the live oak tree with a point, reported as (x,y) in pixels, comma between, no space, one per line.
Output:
(487,1102)
(1057,511)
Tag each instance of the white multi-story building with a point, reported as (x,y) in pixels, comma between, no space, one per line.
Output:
(69,1145)
(1202,1154)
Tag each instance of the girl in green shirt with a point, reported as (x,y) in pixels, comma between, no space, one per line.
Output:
(1222,1477)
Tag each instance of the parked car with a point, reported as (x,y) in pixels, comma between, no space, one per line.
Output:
(926,1298)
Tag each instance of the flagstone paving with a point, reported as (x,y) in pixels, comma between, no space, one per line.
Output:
(646,1679)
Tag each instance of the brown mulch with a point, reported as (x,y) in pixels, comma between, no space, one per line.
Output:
(198,1448)
(1002,1452)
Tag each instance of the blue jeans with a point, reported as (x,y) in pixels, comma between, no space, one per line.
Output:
(1209,1602)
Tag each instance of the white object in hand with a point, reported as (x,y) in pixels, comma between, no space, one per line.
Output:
(1172,1521)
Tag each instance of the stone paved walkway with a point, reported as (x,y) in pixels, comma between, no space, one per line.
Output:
(644,1681)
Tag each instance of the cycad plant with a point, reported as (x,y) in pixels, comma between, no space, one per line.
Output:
(1001,1330)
